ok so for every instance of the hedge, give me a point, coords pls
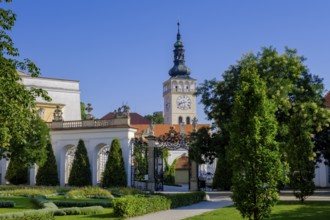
(79, 211)
(7, 204)
(81, 203)
(131, 206)
(29, 215)
(185, 199)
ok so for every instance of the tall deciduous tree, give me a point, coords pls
(47, 173)
(157, 118)
(114, 174)
(288, 84)
(254, 152)
(80, 174)
(17, 104)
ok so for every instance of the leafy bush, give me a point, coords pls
(47, 174)
(89, 191)
(42, 214)
(80, 174)
(184, 199)
(27, 191)
(43, 203)
(114, 174)
(131, 206)
(7, 204)
(60, 203)
(79, 211)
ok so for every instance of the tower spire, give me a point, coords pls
(179, 68)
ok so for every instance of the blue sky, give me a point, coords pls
(121, 50)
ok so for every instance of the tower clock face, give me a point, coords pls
(183, 102)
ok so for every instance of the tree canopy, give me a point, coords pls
(17, 104)
(289, 85)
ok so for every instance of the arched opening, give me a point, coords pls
(102, 158)
(180, 119)
(69, 157)
(188, 120)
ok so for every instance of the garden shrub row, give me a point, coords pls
(130, 206)
(89, 192)
(82, 203)
(7, 204)
(184, 199)
(78, 211)
(42, 214)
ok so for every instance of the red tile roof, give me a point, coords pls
(161, 129)
(135, 118)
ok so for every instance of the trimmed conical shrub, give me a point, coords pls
(80, 174)
(47, 174)
(114, 174)
(17, 172)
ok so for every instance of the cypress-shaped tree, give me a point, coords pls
(47, 174)
(114, 174)
(80, 174)
(17, 172)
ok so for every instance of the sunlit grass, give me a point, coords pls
(21, 204)
(310, 210)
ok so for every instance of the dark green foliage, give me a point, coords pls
(253, 151)
(185, 199)
(156, 118)
(47, 173)
(140, 159)
(80, 174)
(17, 172)
(169, 173)
(130, 206)
(7, 204)
(61, 203)
(114, 174)
(223, 174)
(202, 148)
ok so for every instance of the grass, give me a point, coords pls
(21, 204)
(310, 210)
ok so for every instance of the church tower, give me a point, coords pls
(179, 89)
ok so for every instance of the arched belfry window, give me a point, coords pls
(69, 157)
(188, 120)
(102, 157)
(180, 119)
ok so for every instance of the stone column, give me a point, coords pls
(151, 163)
(193, 176)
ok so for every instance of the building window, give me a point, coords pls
(102, 158)
(69, 157)
(180, 119)
(188, 120)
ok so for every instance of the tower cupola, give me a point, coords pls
(179, 68)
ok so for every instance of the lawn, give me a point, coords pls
(311, 210)
(21, 204)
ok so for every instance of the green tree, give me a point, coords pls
(288, 84)
(254, 152)
(114, 174)
(17, 172)
(80, 174)
(17, 104)
(157, 118)
(300, 148)
(83, 110)
(47, 173)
